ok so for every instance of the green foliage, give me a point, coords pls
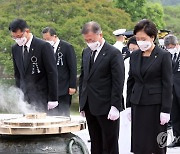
(155, 12)
(134, 8)
(141, 9)
(6, 64)
(172, 19)
(66, 16)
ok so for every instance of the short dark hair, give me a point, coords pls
(91, 26)
(132, 40)
(147, 26)
(49, 30)
(18, 24)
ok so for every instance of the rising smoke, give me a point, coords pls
(12, 101)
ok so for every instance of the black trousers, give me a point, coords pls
(104, 133)
(175, 114)
(63, 108)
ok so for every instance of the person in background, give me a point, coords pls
(34, 67)
(100, 89)
(132, 46)
(172, 45)
(161, 34)
(120, 38)
(149, 90)
(67, 70)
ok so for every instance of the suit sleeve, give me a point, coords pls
(71, 60)
(16, 71)
(166, 83)
(81, 77)
(130, 84)
(117, 71)
(51, 71)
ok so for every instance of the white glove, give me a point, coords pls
(128, 113)
(164, 118)
(82, 113)
(113, 113)
(52, 104)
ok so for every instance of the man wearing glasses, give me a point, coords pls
(34, 67)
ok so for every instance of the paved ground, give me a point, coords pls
(124, 142)
(85, 137)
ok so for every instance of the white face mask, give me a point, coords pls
(51, 42)
(21, 41)
(144, 45)
(173, 50)
(94, 45)
(161, 42)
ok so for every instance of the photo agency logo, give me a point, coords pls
(163, 137)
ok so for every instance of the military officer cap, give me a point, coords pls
(128, 34)
(119, 32)
(162, 33)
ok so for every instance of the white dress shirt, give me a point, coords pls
(99, 49)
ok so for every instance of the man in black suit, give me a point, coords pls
(172, 45)
(100, 89)
(67, 70)
(34, 67)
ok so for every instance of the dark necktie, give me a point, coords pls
(93, 53)
(174, 58)
(25, 56)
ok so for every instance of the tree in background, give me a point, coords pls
(172, 19)
(141, 9)
(154, 12)
(66, 16)
(134, 8)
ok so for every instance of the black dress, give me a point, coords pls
(146, 126)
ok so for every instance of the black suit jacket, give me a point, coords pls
(154, 86)
(102, 87)
(37, 87)
(67, 67)
(176, 76)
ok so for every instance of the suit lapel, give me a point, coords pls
(86, 61)
(98, 60)
(31, 51)
(151, 60)
(138, 64)
(59, 47)
(19, 59)
(177, 62)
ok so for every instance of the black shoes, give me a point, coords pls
(175, 143)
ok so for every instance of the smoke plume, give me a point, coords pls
(12, 101)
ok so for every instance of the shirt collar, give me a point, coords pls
(56, 44)
(178, 50)
(102, 44)
(28, 44)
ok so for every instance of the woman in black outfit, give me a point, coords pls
(149, 92)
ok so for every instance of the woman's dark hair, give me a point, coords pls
(132, 40)
(147, 26)
(18, 24)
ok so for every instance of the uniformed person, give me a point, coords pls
(120, 38)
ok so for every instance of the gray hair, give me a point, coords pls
(170, 39)
(91, 26)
